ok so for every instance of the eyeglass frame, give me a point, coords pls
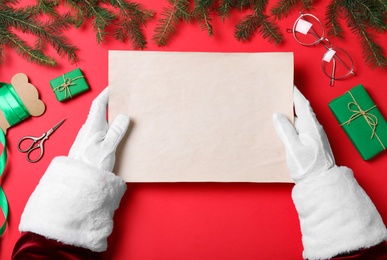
(322, 39)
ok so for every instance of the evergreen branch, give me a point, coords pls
(27, 52)
(204, 20)
(130, 30)
(259, 6)
(79, 16)
(132, 10)
(246, 28)
(182, 9)
(372, 14)
(101, 18)
(372, 52)
(243, 4)
(383, 4)
(202, 14)
(167, 24)
(331, 17)
(225, 8)
(132, 18)
(270, 30)
(307, 4)
(43, 6)
(2, 53)
(282, 8)
(46, 32)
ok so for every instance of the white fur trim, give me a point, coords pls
(336, 215)
(74, 203)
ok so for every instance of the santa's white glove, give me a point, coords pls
(96, 143)
(75, 199)
(336, 215)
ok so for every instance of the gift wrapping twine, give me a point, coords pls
(14, 111)
(371, 119)
(67, 83)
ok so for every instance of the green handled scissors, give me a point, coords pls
(37, 143)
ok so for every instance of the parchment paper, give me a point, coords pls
(201, 117)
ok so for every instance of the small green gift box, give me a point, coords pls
(362, 121)
(69, 85)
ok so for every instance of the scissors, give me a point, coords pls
(37, 143)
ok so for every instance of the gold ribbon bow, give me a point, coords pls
(65, 86)
(371, 119)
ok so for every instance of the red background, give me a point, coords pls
(194, 220)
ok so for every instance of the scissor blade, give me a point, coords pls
(49, 132)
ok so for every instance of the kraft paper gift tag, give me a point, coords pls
(201, 117)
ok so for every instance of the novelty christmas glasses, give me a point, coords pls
(336, 63)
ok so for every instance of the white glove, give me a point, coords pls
(75, 199)
(96, 143)
(336, 215)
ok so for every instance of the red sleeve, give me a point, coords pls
(378, 252)
(33, 246)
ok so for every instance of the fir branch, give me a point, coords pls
(282, 8)
(170, 17)
(243, 4)
(270, 31)
(248, 26)
(101, 18)
(131, 10)
(259, 5)
(331, 17)
(383, 4)
(372, 52)
(47, 32)
(130, 30)
(43, 6)
(204, 19)
(79, 16)
(372, 14)
(27, 52)
(225, 7)
(307, 4)
(202, 14)
(131, 20)
(2, 52)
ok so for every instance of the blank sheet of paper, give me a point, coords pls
(201, 117)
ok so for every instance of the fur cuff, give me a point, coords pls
(336, 215)
(74, 203)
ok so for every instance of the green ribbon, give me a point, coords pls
(13, 108)
(3, 198)
(14, 111)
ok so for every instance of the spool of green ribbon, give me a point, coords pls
(14, 112)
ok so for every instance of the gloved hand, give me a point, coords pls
(96, 143)
(336, 215)
(75, 199)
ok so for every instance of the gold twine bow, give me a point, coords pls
(65, 86)
(371, 119)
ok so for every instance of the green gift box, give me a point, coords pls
(69, 85)
(362, 121)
